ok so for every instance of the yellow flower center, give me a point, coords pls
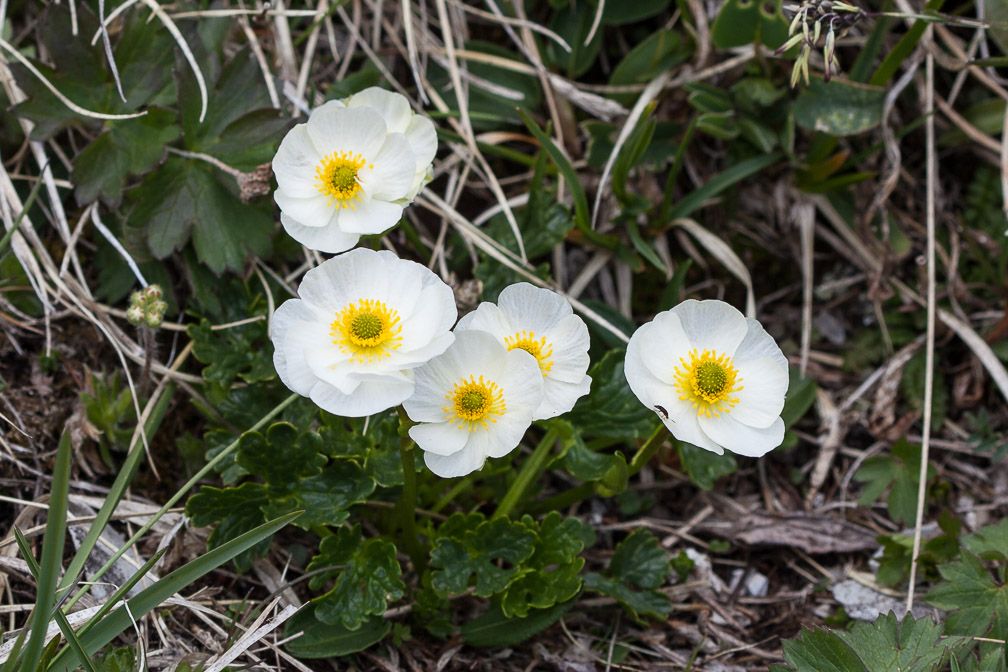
(337, 178)
(474, 403)
(708, 381)
(540, 349)
(367, 329)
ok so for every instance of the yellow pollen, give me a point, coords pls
(540, 349)
(367, 330)
(474, 403)
(337, 178)
(708, 381)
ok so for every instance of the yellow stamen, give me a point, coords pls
(540, 349)
(708, 381)
(367, 329)
(337, 178)
(474, 403)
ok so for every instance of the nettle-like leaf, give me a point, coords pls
(608, 471)
(485, 552)
(611, 410)
(373, 443)
(283, 456)
(550, 574)
(243, 352)
(990, 542)
(887, 645)
(978, 602)
(901, 471)
(237, 510)
(368, 577)
(638, 567)
(325, 498)
(704, 467)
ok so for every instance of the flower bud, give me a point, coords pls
(153, 320)
(153, 293)
(135, 315)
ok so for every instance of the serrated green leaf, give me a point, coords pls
(121, 659)
(473, 554)
(704, 467)
(889, 645)
(243, 352)
(821, 651)
(639, 561)
(236, 510)
(377, 449)
(494, 629)
(980, 605)
(325, 498)
(989, 542)
(610, 409)
(608, 471)
(283, 456)
(550, 575)
(323, 640)
(370, 579)
(901, 471)
(183, 199)
(128, 147)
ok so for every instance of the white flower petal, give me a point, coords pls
(687, 428)
(741, 438)
(312, 355)
(506, 434)
(761, 399)
(540, 309)
(490, 318)
(521, 380)
(570, 341)
(392, 173)
(662, 344)
(330, 239)
(560, 397)
(311, 211)
(712, 325)
(370, 218)
(393, 107)
(439, 438)
(339, 129)
(758, 344)
(369, 398)
(422, 138)
(457, 464)
(295, 162)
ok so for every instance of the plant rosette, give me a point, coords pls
(364, 321)
(543, 324)
(352, 168)
(473, 402)
(714, 377)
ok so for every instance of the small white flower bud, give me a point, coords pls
(153, 320)
(135, 315)
(153, 293)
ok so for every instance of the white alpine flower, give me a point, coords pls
(543, 324)
(715, 377)
(352, 168)
(473, 402)
(364, 321)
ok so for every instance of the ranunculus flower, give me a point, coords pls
(473, 402)
(352, 168)
(543, 324)
(364, 321)
(715, 377)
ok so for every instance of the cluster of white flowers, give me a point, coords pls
(371, 331)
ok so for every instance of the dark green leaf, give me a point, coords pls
(122, 659)
(657, 53)
(902, 472)
(494, 629)
(370, 580)
(639, 565)
(821, 651)
(990, 542)
(980, 604)
(283, 456)
(839, 107)
(322, 640)
(607, 470)
(704, 467)
(475, 553)
(325, 498)
(237, 510)
(611, 410)
(550, 575)
(617, 13)
(637, 602)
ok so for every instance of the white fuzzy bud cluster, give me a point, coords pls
(147, 307)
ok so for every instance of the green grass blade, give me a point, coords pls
(61, 620)
(119, 620)
(903, 48)
(115, 494)
(581, 215)
(24, 211)
(122, 590)
(52, 556)
(720, 182)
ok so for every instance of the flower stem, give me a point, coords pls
(574, 495)
(530, 471)
(406, 510)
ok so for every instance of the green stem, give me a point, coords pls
(177, 496)
(406, 511)
(564, 499)
(530, 472)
